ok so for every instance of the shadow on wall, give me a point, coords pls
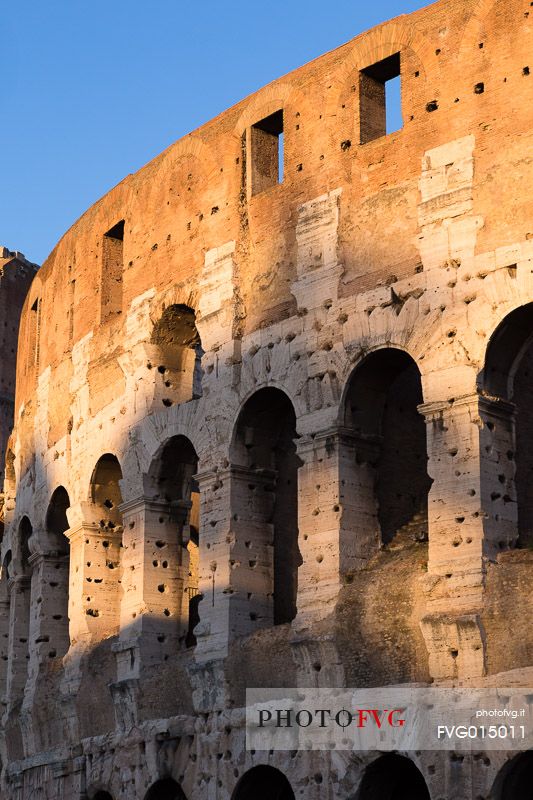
(264, 501)
(385, 494)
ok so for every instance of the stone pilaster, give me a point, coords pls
(337, 517)
(94, 578)
(252, 552)
(318, 267)
(4, 640)
(49, 635)
(48, 638)
(154, 605)
(471, 516)
(215, 582)
(319, 518)
(214, 631)
(19, 629)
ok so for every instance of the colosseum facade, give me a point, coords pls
(271, 430)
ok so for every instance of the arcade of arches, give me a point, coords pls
(136, 568)
(387, 777)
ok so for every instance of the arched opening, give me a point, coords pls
(263, 783)
(393, 777)
(56, 577)
(175, 553)
(264, 503)
(102, 796)
(515, 779)
(508, 377)
(56, 520)
(24, 535)
(165, 789)
(105, 490)
(384, 480)
(177, 356)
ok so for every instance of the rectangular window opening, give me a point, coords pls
(380, 101)
(116, 232)
(112, 268)
(267, 146)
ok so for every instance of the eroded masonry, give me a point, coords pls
(16, 274)
(273, 428)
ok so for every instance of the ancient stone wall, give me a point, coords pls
(275, 431)
(16, 274)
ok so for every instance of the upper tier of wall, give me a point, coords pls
(464, 70)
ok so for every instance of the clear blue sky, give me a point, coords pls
(92, 90)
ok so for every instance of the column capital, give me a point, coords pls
(438, 408)
(18, 582)
(496, 406)
(178, 510)
(85, 515)
(332, 431)
(94, 530)
(211, 475)
(50, 555)
(364, 443)
(258, 472)
(233, 470)
(137, 504)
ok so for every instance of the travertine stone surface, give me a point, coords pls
(274, 433)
